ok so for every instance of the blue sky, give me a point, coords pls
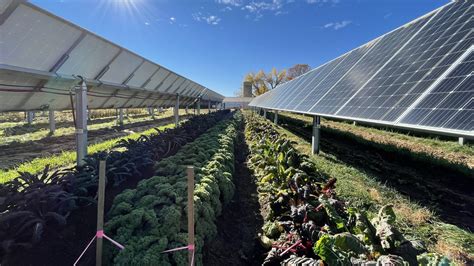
(216, 42)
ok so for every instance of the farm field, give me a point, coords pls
(440, 186)
(15, 155)
(250, 176)
(423, 209)
(133, 161)
(236, 132)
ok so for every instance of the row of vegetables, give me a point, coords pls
(33, 203)
(153, 217)
(308, 224)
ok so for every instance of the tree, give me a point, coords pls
(297, 70)
(263, 82)
(238, 92)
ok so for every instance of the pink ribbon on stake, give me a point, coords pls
(188, 247)
(99, 234)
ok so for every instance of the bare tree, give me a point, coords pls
(297, 70)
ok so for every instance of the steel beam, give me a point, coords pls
(120, 116)
(52, 122)
(209, 107)
(275, 118)
(199, 106)
(176, 111)
(461, 141)
(265, 113)
(316, 135)
(81, 122)
(30, 115)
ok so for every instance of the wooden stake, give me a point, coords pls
(100, 212)
(190, 172)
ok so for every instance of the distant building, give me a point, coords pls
(247, 89)
(237, 102)
(240, 102)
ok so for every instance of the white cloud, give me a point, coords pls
(337, 24)
(322, 1)
(147, 23)
(172, 20)
(258, 8)
(230, 2)
(209, 19)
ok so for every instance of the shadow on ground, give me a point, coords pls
(444, 188)
(236, 242)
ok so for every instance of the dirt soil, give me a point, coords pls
(236, 242)
(445, 190)
(16, 153)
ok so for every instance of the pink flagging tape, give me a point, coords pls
(188, 247)
(114, 242)
(292, 246)
(98, 234)
(84, 251)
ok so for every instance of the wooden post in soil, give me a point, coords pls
(100, 212)
(190, 172)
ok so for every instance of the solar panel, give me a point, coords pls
(370, 64)
(450, 104)
(417, 76)
(413, 69)
(42, 56)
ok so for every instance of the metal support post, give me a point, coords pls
(316, 135)
(208, 107)
(275, 118)
(81, 122)
(186, 110)
(52, 122)
(461, 141)
(151, 110)
(265, 113)
(199, 106)
(120, 117)
(176, 111)
(30, 115)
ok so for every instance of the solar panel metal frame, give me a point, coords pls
(127, 78)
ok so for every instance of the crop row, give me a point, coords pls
(152, 217)
(308, 223)
(32, 202)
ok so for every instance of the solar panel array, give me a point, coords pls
(42, 55)
(417, 76)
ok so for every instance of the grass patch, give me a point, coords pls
(68, 158)
(424, 147)
(21, 132)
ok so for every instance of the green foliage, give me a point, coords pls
(432, 259)
(152, 217)
(306, 204)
